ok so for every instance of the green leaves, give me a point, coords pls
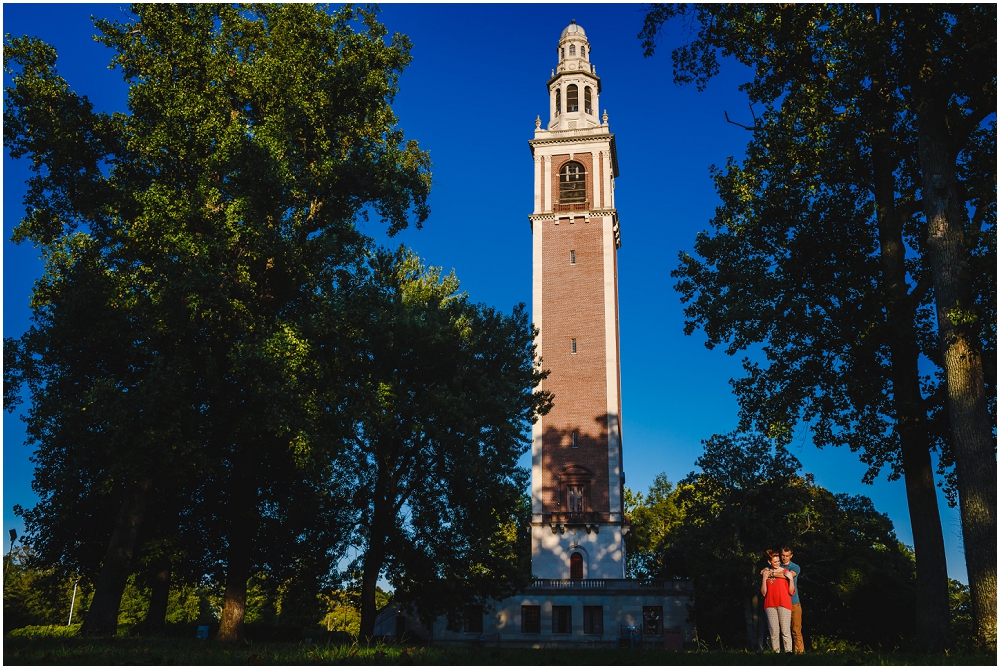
(440, 411)
(197, 247)
(749, 496)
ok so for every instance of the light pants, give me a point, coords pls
(779, 618)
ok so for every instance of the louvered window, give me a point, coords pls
(572, 183)
(572, 98)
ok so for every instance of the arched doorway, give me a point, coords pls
(576, 566)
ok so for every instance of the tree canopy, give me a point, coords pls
(202, 356)
(829, 250)
(442, 402)
(750, 496)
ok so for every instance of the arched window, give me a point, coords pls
(572, 98)
(587, 105)
(576, 566)
(583, 52)
(562, 53)
(572, 49)
(572, 183)
(558, 102)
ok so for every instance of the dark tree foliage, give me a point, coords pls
(444, 397)
(190, 246)
(857, 581)
(834, 250)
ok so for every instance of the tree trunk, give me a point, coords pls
(375, 555)
(932, 611)
(238, 567)
(159, 583)
(102, 618)
(756, 621)
(971, 428)
(243, 521)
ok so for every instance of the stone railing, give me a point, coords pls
(610, 584)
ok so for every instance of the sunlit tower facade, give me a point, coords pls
(577, 477)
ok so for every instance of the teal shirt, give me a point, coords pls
(791, 566)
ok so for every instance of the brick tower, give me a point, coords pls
(580, 595)
(577, 477)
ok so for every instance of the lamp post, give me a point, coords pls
(73, 601)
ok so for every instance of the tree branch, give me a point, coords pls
(756, 125)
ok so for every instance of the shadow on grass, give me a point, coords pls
(146, 651)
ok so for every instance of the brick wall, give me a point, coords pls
(573, 307)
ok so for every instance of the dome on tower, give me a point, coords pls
(573, 29)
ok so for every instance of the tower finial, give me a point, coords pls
(573, 21)
(605, 117)
(538, 121)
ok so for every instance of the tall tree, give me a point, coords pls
(820, 251)
(948, 75)
(221, 208)
(444, 399)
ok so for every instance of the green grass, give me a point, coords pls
(47, 650)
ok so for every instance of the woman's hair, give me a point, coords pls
(771, 554)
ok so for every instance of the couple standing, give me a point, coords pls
(778, 583)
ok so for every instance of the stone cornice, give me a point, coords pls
(591, 213)
(552, 215)
(580, 136)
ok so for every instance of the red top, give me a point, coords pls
(777, 594)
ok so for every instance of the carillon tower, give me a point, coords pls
(577, 477)
(580, 595)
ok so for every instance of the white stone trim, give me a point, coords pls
(611, 351)
(547, 184)
(538, 182)
(603, 550)
(536, 306)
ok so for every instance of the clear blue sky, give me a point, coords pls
(470, 97)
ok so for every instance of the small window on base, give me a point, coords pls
(593, 620)
(572, 257)
(562, 619)
(473, 619)
(531, 620)
(572, 345)
(652, 620)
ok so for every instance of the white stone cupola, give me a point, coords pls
(574, 86)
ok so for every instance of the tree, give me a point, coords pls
(444, 397)
(749, 496)
(820, 251)
(217, 218)
(652, 517)
(948, 75)
(41, 595)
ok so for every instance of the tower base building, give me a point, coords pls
(580, 594)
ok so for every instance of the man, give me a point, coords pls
(786, 561)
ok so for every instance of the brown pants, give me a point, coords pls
(797, 644)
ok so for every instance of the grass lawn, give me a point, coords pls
(49, 650)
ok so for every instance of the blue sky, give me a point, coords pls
(470, 98)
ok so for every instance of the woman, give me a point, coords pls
(777, 586)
